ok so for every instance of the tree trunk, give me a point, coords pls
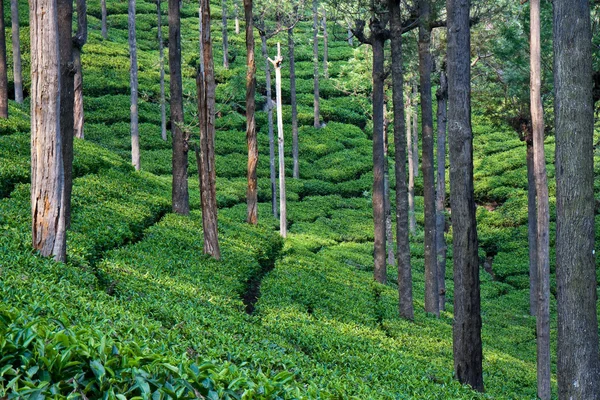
(415, 132)
(578, 362)
(3, 69)
(532, 229)
(47, 167)
(317, 112)
(411, 170)
(295, 150)
(135, 135)
(350, 37)
(104, 28)
(440, 223)
(180, 192)
(431, 271)
(251, 192)
(161, 58)
(272, 170)
(389, 234)
(78, 42)
(206, 155)
(467, 319)
(16, 47)
(282, 198)
(403, 248)
(325, 46)
(237, 17)
(224, 30)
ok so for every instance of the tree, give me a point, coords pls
(440, 202)
(578, 361)
(180, 194)
(467, 319)
(16, 47)
(224, 33)
(79, 40)
(47, 167)
(161, 60)
(317, 112)
(236, 16)
(3, 69)
(135, 134)
(251, 192)
(411, 165)
(325, 45)
(103, 12)
(205, 156)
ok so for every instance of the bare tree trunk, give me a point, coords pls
(3, 66)
(317, 112)
(180, 197)
(206, 155)
(272, 171)
(79, 41)
(389, 234)
(224, 30)
(467, 318)
(403, 249)
(16, 47)
(293, 102)
(350, 37)
(440, 222)
(47, 167)
(161, 57)
(425, 65)
(282, 198)
(532, 229)
(135, 135)
(325, 45)
(415, 132)
(578, 361)
(411, 169)
(104, 28)
(237, 17)
(251, 192)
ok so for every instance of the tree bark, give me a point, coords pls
(104, 26)
(282, 198)
(325, 46)
(406, 309)
(431, 270)
(389, 234)
(16, 47)
(293, 102)
(272, 171)
(79, 41)
(578, 362)
(317, 112)
(180, 138)
(135, 135)
(467, 319)
(237, 17)
(3, 66)
(47, 167)
(415, 132)
(224, 32)
(411, 169)
(440, 205)
(161, 58)
(206, 154)
(532, 229)
(251, 192)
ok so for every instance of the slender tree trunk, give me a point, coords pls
(317, 112)
(295, 150)
(237, 17)
(282, 198)
(440, 222)
(161, 57)
(411, 170)
(180, 138)
(3, 66)
(403, 249)
(206, 155)
(78, 42)
(272, 170)
(251, 192)
(431, 271)
(389, 234)
(578, 362)
(135, 136)
(467, 318)
(47, 168)
(415, 132)
(325, 46)
(532, 229)
(104, 26)
(224, 30)
(16, 47)
(350, 37)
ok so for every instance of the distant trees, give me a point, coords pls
(133, 71)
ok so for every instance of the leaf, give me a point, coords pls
(97, 369)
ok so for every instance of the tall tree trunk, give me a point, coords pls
(431, 270)
(206, 155)
(415, 131)
(135, 135)
(224, 31)
(79, 41)
(180, 191)
(378, 156)
(403, 248)
(161, 58)
(578, 362)
(16, 47)
(440, 204)
(325, 46)
(282, 198)
(467, 318)
(237, 16)
(272, 171)
(47, 167)
(251, 192)
(317, 112)
(411, 169)
(3, 66)
(543, 208)
(532, 228)
(104, 26)
(389, 234)
(293, 102)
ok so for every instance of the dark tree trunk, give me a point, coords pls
(431, 273)
(180, 192)
(251, 192)
(403, 249)
(79, 41)
(104, 28)
(296, 170)
(317, 112)
(578, 362)
(206, 154)
(224, 32)
(532, 229)
(16, 47)
(440, 205)
(135, 134)
(272, 171)
(161, 58)
(325, 46)
(3, 66)
(467, 319)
